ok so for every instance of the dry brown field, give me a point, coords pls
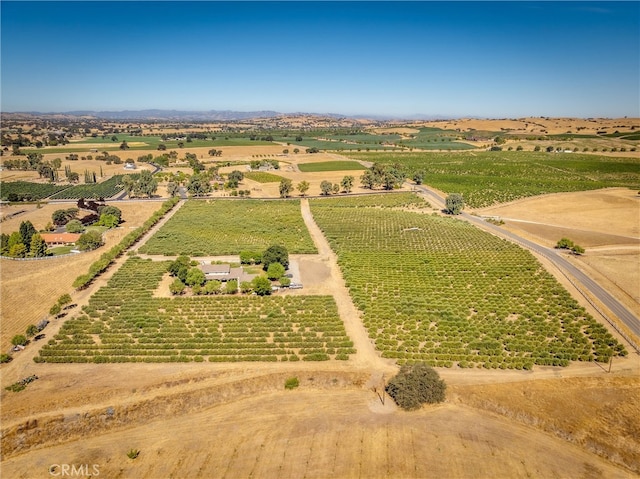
(29, 288)
(538, 125)
(212, 421)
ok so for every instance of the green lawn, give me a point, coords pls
(263, 177)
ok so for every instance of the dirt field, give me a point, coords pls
(551, 126)
(29, 288)
(604, 222)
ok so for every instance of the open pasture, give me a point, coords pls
(123, 322)
(439, 290)
(221, 227)
(488, 178)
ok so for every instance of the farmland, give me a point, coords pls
(220, 227)
(487, 178)
(330, 166)
(124, 323)
(262, 177)
(106, 189)
(460, 296)
(28, 191)
(179, 377)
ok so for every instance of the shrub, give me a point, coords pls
(133, 453)
(5, 358)
(291, 383)
(415, 385)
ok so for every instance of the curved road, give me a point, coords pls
(611, 303)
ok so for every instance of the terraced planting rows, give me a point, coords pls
(220, 227)
(439, 290)
(106, 189)
(123, 322)
(487, 178)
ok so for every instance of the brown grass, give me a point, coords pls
(606, 421)
(29, 288)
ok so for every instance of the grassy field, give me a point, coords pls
(487, 178)
(219, 227)
(439, 290)
(123, 322)
(330, 166)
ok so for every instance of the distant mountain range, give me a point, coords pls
(211, 115)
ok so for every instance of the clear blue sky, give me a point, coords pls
(488, 59)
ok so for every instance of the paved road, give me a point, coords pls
(611, 303)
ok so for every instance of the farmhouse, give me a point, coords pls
(224, 272)
(53, 239)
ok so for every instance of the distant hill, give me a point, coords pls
(207, 115)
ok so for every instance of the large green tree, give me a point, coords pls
(416, 385)
(347, 183)
(89, 240)
(326, 187)
(303, 187)
(275, 271)
(275, 254)
(38, 247)
(27, 230)
(286, 187)
(454, 203)
(261, 286)
(198, 185)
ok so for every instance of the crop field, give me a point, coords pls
(28, 190)
(439, 290)
(330, 166)
(123, 322)
(436, 139)
(106, 189)
(144, 143)
(262, 177)
(488, 178)
(220, 227)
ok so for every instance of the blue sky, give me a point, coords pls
(487, 59)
